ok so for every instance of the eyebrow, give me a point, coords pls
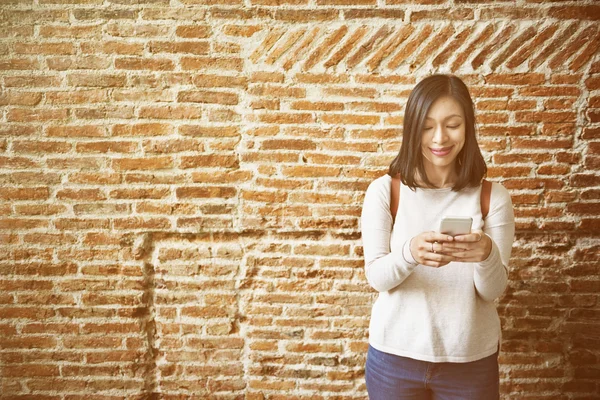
(449, 116)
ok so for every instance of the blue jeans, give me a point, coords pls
(391, 377)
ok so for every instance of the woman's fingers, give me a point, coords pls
(464, 250)
(462, 254)
(474, 251)
(443, 258)
(438, 237)
(428, 248)
(435, 249)
(474, 236)
(453, 248)
(437, 259)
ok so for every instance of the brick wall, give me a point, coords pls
(181, 184)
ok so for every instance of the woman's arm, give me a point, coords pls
(491, 274)
(384, 268)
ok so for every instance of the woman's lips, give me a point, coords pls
(444, 151)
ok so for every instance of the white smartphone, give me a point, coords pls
(453, 226)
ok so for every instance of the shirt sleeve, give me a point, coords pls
(385, 268)
(491, 275)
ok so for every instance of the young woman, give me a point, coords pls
(434, 330)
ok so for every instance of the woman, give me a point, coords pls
(434, 329)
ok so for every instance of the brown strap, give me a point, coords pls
(395, 196)
(486, 193)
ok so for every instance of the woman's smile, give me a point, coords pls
(442, 151)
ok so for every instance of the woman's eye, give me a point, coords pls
(453, 127)
(427, 128)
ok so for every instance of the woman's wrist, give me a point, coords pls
(488, 247)
(407, 254)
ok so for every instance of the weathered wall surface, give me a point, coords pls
(181, 185)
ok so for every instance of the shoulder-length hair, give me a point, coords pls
(470, 165)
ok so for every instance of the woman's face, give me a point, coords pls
(443, 135)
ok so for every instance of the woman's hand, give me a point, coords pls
(429, 248)
(474, 247)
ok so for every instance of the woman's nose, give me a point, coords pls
(439, 134)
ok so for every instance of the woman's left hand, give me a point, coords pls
(473, 247)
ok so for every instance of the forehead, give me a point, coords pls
(445, 107)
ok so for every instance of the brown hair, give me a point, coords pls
(470, 165)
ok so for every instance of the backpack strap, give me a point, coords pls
(486, 193)
(395, 196)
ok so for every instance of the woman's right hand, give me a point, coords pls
(427, 248)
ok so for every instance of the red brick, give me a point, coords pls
(585, 180)
(525, 199)
(543, 143)
(572, 46)
(509, 12)
(559, 196)
(567, 157)
(538, 212)
(498, 41)
(593, 116)
(482, 37)
(515, 79)
(96, 167)
(494, 172)
(550, 91)
(560, 129)
(593, 82)
(592, 163)
(559, 104)
(585, 285)
(584, 208)
(589, 224)
(510, 158)
(554, 169)
(587, 12)
(543, 116)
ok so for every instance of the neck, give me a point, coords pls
(441, 177)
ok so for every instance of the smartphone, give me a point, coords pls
(453, 226)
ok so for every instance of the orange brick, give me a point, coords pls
(205, 192)
(15, 371)
(40, 193)
(28, 342)
(147, 163)
(80, 194)
(209, 160)
(76, 131)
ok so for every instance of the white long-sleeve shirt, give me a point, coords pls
(444, 314)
